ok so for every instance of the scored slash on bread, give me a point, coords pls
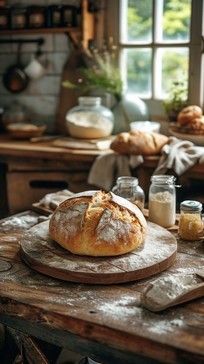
(138, 142)
(97, 223)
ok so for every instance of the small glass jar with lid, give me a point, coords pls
(54, 16)
(190, 221)
(4, 17)
(162, 200)
(36, 16)
(18, 19)
(89, 120)
(128, 187)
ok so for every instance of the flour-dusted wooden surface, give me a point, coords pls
(109, 318)
(46, 256)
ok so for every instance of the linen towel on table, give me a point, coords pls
(108, 167)
(179, 155)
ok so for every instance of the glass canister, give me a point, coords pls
(54, 16)
(36, 16)
(4, 17)
(69, 16)
(162, 200)
(128, 187)
(190, 221)
(18, 19)
(89, 120)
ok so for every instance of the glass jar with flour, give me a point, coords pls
(89, 120)
(162, 200)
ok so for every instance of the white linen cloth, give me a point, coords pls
(109, 166)
(179, 155)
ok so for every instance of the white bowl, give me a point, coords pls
(196, 139)
(148, 126)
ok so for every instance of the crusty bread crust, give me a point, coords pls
(138, 142)
(96, 223)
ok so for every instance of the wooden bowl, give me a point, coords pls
(25, 131)
(197, 139)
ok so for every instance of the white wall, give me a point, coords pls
(41, 96)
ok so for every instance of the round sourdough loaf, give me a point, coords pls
(97, 223)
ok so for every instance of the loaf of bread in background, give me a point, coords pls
(189, 114)
(96, 223)
(138, 142)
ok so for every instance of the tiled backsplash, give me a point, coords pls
(41, 95)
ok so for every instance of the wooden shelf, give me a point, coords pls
(40, 30)
(80, 36)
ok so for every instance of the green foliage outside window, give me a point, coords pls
(175, 27)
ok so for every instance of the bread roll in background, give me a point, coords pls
(138, 142)
(97, 223)
(189, 114)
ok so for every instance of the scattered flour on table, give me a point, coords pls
(122, 308)
(166, 289)
(20, 222)
(164, 325)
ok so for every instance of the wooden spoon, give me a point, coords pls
(179, 289)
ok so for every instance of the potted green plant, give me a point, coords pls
(176, 100)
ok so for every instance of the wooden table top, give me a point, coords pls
(110, 316)
(27, 149)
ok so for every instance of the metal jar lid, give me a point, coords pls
(190, 205)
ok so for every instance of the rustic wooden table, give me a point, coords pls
(104, 322)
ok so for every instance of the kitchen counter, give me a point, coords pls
(45, 150)
(104, 322)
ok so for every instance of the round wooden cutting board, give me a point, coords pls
(46, 256)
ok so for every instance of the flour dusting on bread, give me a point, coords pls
(71, 221)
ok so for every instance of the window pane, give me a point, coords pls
(171, 66)
(176, 20)
(139, 21)
(138, 65)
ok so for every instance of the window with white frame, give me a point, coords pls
(160, 42)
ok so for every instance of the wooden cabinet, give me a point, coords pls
(28, 171)
(28, 183)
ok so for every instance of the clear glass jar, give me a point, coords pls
(190, 221)
(36, 16)
(18, 17)
(4, 17)
(129, 188)
(89, 120)
(162, 200)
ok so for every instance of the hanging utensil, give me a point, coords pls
(15, 79)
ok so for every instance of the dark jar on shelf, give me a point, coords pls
(78, 16)
(18, 18)
(36, 16)
(69, 16)
(4, 18)
(54, 16)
